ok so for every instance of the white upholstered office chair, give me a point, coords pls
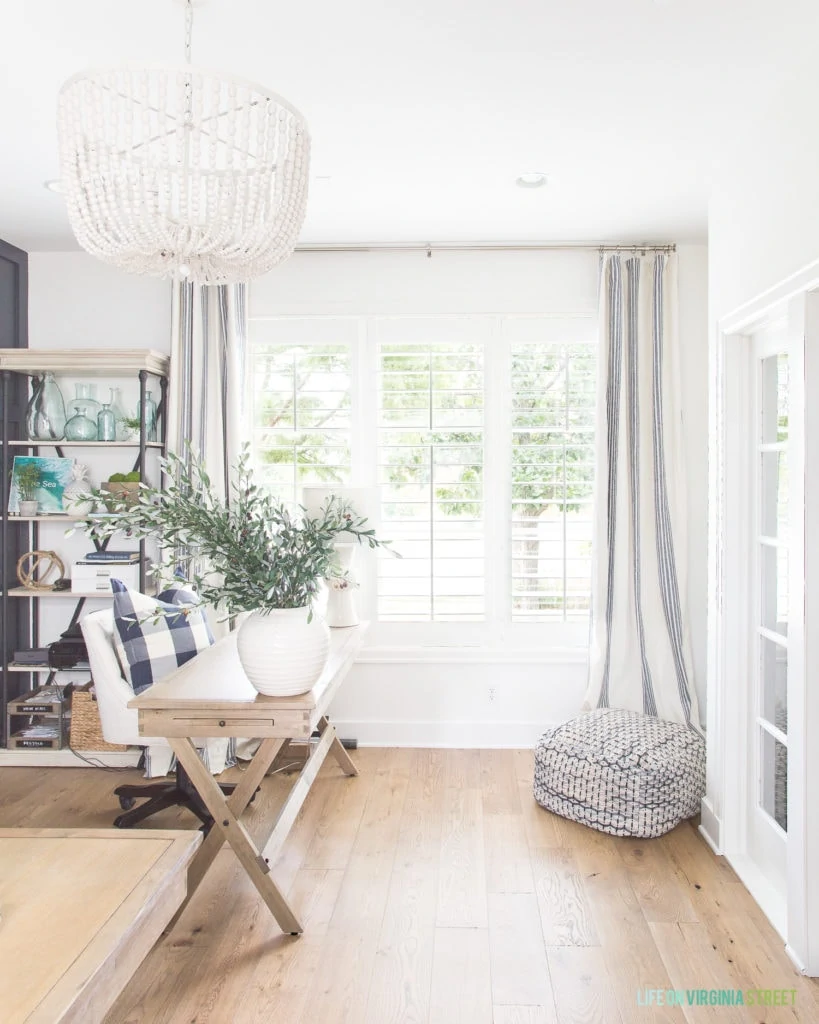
(120, 724)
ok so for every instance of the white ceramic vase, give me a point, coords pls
(341, 603)
(341, 609)
(281, 652)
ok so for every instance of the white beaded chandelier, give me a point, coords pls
(178, 171)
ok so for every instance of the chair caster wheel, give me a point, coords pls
(119, 823)
(127, 802)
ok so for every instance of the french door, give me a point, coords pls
(761, 809)
(770, 604)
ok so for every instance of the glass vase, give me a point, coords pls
(80, 427)
(118, 409)
(90, 406)
(45, 414)
(106, 424)
(150, 416)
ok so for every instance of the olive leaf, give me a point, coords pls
(252, 553)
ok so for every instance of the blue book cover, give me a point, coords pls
(112, 556)
(55, 475)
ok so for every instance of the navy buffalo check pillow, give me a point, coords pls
(152, 636)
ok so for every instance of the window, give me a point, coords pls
(553, 409)
(474, 436)
(430, 434)
(301, 416)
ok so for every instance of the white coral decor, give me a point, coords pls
(77, 497)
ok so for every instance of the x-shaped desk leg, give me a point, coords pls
(226, 825)
(345, 762)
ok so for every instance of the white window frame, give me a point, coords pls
(497, 632)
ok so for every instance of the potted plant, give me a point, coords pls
(121, 487)
(251, 554)
(28, 480)
(128, 428)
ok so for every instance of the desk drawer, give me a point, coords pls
(215, 723)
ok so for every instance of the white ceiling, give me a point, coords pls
(423, 113)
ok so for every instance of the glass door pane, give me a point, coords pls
(774, 395)
(774, 778)
(772, 585)
(773, 566)
(774, 494)
(774, 683)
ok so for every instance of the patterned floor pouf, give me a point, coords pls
(621, 772)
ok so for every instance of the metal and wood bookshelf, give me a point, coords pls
(144, 364)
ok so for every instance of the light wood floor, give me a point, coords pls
(433, 889)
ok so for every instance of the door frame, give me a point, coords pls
(724, 820)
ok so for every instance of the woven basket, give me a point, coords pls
(86, 728)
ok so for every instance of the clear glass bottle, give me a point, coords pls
(80, 427)
(118, 409)
(106, 424)
(45, 414)
(150, 416)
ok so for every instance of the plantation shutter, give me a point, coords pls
(430, 425)
(553, 373)
(301, 375)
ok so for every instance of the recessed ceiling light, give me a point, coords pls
(54, 185)
(531, 179)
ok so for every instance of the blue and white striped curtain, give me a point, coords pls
(640, 653)
(207, 375)
(205, 396)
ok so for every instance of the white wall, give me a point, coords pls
(468, 698)
(75, 301)
(763, 222)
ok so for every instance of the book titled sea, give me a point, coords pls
(54, 476)
(112, 556)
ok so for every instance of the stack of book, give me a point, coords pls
(94, 572)
(123, 557)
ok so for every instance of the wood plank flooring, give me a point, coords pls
(434, 890)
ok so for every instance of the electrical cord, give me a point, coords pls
(98, 764)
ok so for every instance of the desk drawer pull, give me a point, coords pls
(222, 722)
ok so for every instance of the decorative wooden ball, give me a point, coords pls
(35, 567)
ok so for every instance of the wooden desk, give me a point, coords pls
(80, 910)
(212, 696)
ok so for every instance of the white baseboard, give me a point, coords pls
(461, 735)
(710, 826)
(68, 759)
(770, 901)
(795, 960)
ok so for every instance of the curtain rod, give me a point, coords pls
(431, 247)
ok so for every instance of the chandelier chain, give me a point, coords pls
(188, 29)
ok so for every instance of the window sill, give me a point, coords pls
(472, 655)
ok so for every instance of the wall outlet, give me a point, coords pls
(491, 694)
